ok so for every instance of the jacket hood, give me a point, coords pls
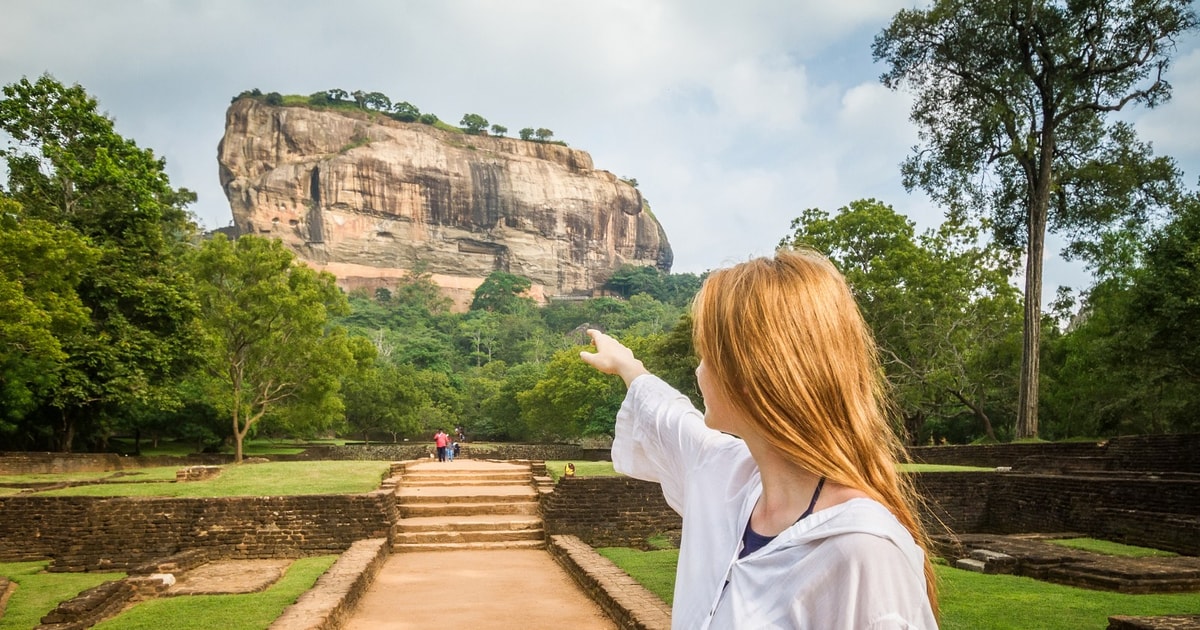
(856, 516)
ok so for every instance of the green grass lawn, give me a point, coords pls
(999, 602)
(969, 601)
(38, 593)
(252, 611)
(582, 469)
(653, 569)
(1111, 548)
(268, 479)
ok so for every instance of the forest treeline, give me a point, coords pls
(117, 317)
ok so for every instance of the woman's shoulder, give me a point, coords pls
(856, 523)
(863, 531)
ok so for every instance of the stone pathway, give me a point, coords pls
(486, 588)
(468, 552)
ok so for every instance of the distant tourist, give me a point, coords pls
(569, 470)
(794, 515)
(440, 440)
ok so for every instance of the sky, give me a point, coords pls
(734, 117)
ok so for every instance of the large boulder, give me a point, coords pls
(370, 199)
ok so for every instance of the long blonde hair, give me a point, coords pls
(789, 348)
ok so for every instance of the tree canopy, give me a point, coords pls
(1012, 101)
(268, 344)
(69, 170)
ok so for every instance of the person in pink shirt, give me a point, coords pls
(440, 440)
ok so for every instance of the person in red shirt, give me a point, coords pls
(440, 440)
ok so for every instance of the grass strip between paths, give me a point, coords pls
(39, 593)
(251, 611)
(1111, 548)
(267, 479)
(654, 570)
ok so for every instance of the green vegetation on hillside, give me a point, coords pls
(377, 103)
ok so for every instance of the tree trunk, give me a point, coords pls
(912, 427)
(67, 434)
(237, 437)
(1027, 404)
(980, 415)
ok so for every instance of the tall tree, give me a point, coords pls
(68, 167)
(1012, 99)
(266, 320)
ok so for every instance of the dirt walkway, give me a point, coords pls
(503, 588)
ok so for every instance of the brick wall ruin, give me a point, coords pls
(608, 511)
(1164, 514)
(87, 533)
(1135, 453)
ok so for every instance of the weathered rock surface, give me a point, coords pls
(368, 198)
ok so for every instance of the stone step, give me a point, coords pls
(514, 544)
(1084, 578)
(482, 522)
(438, 537)
(467, 471)
(994, 562)
(459, 483)
(406, 495)
(417, 510)
(468, 476)
(970, 564)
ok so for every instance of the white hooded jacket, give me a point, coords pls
(849, 566)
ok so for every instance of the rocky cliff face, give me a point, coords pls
(370, 199)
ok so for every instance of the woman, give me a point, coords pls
(793, 513)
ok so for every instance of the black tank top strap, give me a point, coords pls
(812, 504)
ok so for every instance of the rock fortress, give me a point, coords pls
(370, 199)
